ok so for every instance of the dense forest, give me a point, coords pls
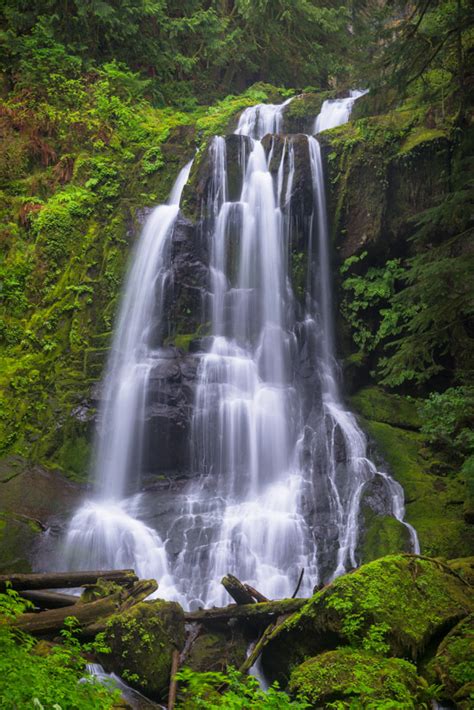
(102, 102)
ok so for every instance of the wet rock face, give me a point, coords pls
(31, 498)
(168, 413)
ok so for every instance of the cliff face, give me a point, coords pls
(66, 259)
(382, 172)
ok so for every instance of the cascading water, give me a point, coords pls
(106, 532)
(279, 473)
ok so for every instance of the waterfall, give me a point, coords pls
(106, 531)
(279, 465)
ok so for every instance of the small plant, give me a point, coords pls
(230, 691)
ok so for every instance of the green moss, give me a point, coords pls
(74, 457)
(454, 663)
(420, 135)
(355, 679)
(393, 606)
(102, 588)
(216, 650)
(299, 274)
(18, 535)
(433, 503)
(382, 535)
(375, 404)
(142, 641)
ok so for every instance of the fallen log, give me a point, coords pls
(255, 611)
(49, 600)
(51, 622)
(55, 580)
(258, 596)
(237, 590)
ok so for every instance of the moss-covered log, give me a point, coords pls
(50, 622)
(261, 611)
(60, 580)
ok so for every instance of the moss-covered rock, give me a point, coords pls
(434, 493)
(396, 606)
(142, 641)
(217, 649)
(381, 535)
(300, 114)
(35, 491)
(356, 679)
(376, 404)
(434, 504)
(464, 566)
(454, 664)
(18, 537)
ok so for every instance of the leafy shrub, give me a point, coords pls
(230, 691)
(56, 679)
(448, 419)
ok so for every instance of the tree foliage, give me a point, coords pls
(186, 47)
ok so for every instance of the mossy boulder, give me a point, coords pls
(433, 502)
(356, 679)
(142, 641)
(434, 492)
(396, 605)
(300, 114)
(374, 403)
(464, 566)
(381, 535)
(217, 649)
(454, 664)
(18, 537)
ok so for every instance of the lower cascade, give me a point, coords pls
(278, 466)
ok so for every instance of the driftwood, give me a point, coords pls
(49, 600)
(58, 580)
(50, 622)
(237, 590)
(173, 682)
(260, 611)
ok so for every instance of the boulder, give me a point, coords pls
(356, 679)
(454, 664)
(394, 606)
(216, 649)
(142, 640)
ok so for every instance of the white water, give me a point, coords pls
(106, 532)
(277, 488)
